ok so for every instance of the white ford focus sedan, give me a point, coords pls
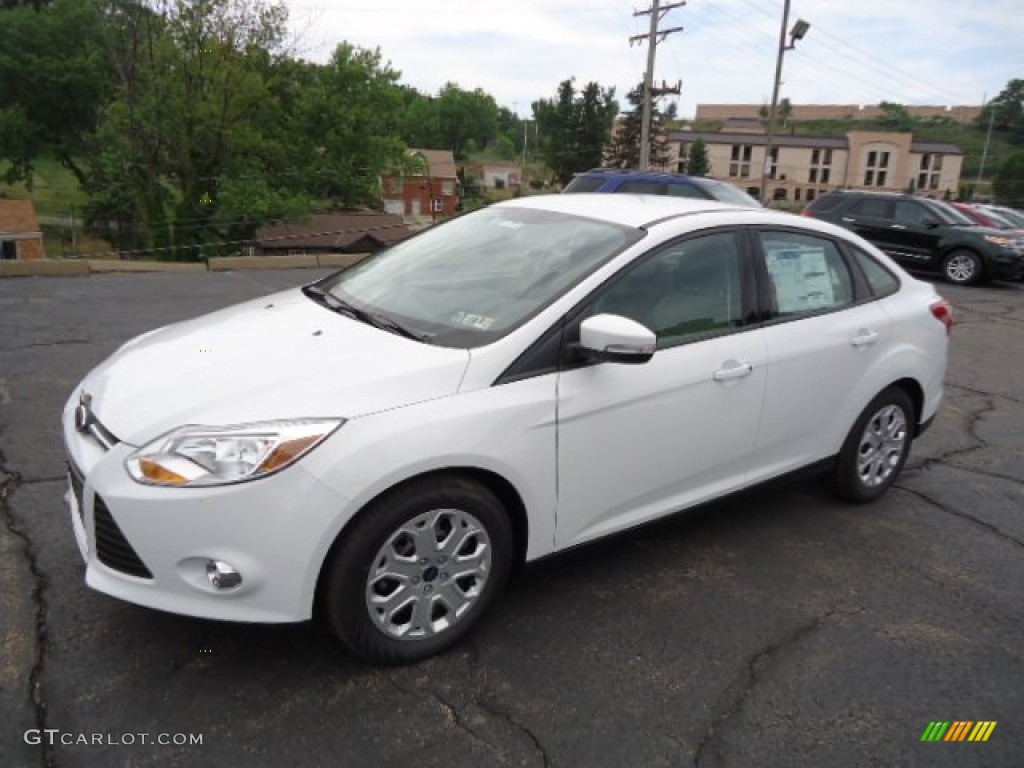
(380, 447)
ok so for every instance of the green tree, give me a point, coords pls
(465, 116)
(895, 117)
(697, 161)
(187, 123)
(1006, 111)
(55, 80)
(624, 148)
(349, 115)
(573, 128)
(1009, 182)
(419, 120)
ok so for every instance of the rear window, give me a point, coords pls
(585, 184)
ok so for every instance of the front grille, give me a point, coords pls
(78, 488)
(112, 548)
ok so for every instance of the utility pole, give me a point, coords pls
(653, 37)
(797, 33)
(984, 152)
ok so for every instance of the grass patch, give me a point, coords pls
(55, 190)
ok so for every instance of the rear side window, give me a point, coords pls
(807, 274)
(881, 281)
(826, 203)
(875, 207)
(642, 187)
(585, 184)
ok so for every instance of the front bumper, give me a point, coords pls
(150, 545)
(1006, 265)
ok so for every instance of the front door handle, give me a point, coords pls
(732, 369)
(864, 338)
(848, 220)
(897, 226)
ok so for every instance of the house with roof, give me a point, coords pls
(20, 234)
(426, 187)
(351, 232)
(801, 168)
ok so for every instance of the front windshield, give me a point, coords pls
(473, 279)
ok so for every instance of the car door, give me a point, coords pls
(915, 232)
(870, 217)
(638, 441)
(820, 340)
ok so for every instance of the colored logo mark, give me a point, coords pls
(958, 730)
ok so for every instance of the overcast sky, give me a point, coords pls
(857, 51)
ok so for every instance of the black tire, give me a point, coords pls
(876, 447)
(381, 557)
(962, 266)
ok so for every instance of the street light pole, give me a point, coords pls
(797, 33)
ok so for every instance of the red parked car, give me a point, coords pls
(985, 217)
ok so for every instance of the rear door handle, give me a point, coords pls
(848, 220)
(864, 338)
(732, 369)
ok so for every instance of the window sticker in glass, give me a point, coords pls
(801, 277)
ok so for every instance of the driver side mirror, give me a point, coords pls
(617, 339)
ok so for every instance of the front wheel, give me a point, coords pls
(876, 448)
(962, 267)
(417, 570)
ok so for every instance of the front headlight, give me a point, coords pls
(1005, 242)
(199, 455)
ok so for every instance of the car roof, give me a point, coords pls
(633, 173)
(644, 211)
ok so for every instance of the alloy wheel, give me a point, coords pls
(428, 574)
(882, 445)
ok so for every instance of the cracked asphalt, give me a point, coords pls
(776, 628)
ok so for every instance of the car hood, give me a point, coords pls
(279, 357)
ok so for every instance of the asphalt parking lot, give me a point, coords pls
(777, 628)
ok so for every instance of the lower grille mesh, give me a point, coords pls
(112, 548)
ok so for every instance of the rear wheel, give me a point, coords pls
(417, 570)
(962, 267)
(876, 448)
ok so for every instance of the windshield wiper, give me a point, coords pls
(335, 304)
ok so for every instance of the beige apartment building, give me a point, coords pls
(803, 167)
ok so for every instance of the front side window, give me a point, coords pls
(806, 274)
(684, 292)
(912, 213)
(473, 279)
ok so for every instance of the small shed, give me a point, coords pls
(20, 235)
(356, 232)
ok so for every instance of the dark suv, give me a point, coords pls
(655, 183)
(925, 234)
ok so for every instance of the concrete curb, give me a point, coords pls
(79, 267)
(43, 268)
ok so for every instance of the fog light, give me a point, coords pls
(222, 575)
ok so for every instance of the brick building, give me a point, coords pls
(20, 235)
(803, 167)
